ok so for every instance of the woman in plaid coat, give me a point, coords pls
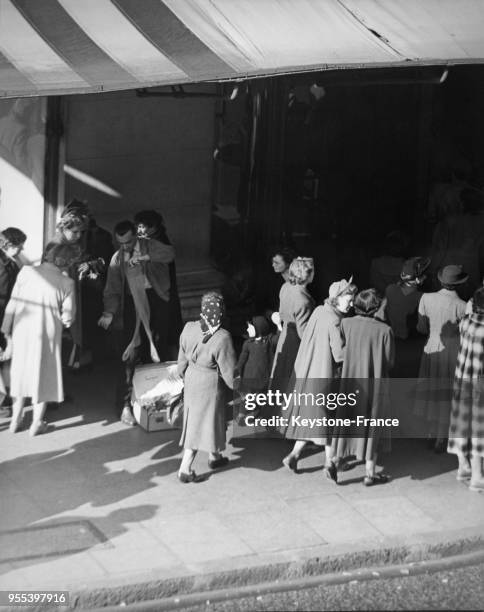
(466, 433)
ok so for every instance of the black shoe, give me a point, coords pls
(331, 472)
(183, 477)
(370, 481)
(218, 463)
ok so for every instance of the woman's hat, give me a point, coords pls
(414, 268)
(452, 275)
(337, 288)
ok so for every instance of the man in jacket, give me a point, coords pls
(136, 299)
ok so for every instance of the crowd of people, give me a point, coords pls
(327, 348)
(296, 348)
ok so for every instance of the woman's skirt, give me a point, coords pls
(284, 366)
(466, 431)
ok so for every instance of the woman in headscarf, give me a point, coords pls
(439, 315)
(42, 303)
(207, 361)
(88, 275)
(295, 308)
(368, 358)
(317, 366)
(466, 432)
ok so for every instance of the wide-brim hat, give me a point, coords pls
(414, 268)
(452, 275)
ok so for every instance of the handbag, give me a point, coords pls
(175, 411)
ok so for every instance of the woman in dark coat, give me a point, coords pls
(151, 224)
(207, 361)
(466, 432)
(12, 242)
(368, 358)
(296, 306)
(317, 366)
(87, 273)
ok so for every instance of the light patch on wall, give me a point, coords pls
(91, 181)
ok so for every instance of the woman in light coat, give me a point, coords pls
(207, 361)
(439, 315)
(41, 304)
(317, 366)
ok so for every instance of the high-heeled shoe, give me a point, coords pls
(184, 477)
(38, 427)
(463, 474)
(220, 462)
(290, 462)
(376, 479)
(331, 472)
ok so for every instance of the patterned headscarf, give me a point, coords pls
(211, 314)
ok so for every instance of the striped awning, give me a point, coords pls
(52, 47)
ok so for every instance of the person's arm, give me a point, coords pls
(423, 325)
(4, 282)
(337, 342)
(302, 315)
(157, 252)
(182, 364)
(68, 308)
(112, 292)
(244, 355)
(389, 347)
(226, 361)
(9, 314)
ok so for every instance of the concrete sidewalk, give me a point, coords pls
(94, 504)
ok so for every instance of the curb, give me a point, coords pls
(375, 573)
(192, 589)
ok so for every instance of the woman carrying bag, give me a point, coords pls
(206, 360)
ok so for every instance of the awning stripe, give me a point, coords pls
(51, 47)
(70, 41)
(213, 29)
(420, 32)
(155, 20)
(17, 82)
(31, 54)
(121, 40)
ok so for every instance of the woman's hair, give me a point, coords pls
(12, 236)
(300, 270)
(287, 254)
(368, 302)
(478, 301)
(61, 255)
(448, 286)
(71, 220)
(150, 218)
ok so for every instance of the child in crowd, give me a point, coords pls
(254, 366)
